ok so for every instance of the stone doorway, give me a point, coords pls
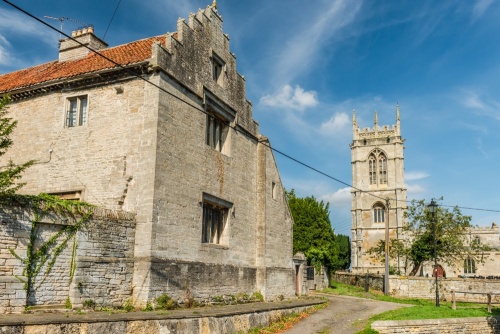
(439, 271)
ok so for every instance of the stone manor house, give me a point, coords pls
(167, 134)
(379, 199)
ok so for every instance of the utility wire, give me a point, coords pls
(112, 17)
(205, 112)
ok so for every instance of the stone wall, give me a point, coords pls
(218, 320)
(424, 287)
(483, 325)
(144, 150)
(102, 251)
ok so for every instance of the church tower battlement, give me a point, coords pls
(379, 192)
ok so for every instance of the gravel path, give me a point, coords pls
(344, 315)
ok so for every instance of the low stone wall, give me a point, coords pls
(96, 264)
(232, 319)
(483, 325)
(424, 287)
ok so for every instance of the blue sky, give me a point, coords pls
(308, 64)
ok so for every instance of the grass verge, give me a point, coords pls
(422, 309)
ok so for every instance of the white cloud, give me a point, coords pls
(412, 176)
(480, 8)
(302, 49)
(17, 24)
(337, 123)
(482, 105)
(414, 189)
(341, 197)
(472, 100)
(5, 58)
(293, 98)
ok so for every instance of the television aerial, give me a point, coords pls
(62, 19)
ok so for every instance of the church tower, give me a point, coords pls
(378, 193)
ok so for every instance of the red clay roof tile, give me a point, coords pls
(126, 54)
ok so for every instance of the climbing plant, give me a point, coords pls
(43, 255)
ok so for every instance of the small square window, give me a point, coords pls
(76, 113)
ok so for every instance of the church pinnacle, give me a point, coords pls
(214, 4)
(397, 115)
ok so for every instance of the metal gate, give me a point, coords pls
(311, 283)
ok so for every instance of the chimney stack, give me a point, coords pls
(71, 50)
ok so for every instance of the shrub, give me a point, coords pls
(164, 302)
(258, 296)
(89, 303)
(128, 307)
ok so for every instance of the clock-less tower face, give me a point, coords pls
(378, 193)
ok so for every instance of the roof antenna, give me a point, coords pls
(62, 19)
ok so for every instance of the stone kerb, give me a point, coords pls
(96, 264)
(483, 325)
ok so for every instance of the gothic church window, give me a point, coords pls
(377, 167)
(378, 213)
(373, 169)
(382, 169)
(469, 266)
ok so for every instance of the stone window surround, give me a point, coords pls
(377, 167)
(219, 117)
(469, 266)
(378, 211)
(218, 68)
(215, 232)
(76, 111)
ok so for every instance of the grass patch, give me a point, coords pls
(421, 309)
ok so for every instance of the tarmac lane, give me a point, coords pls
(343, 315)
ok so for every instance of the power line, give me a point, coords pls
(235, 128)
(112, 17)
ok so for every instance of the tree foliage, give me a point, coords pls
(343, 243)
(449, 228)
(11, 172)
(313, 234)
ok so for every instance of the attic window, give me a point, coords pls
(217, 68)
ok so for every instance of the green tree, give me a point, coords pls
(343, 243)
(11, 172)
(450, 229)
(312, 232)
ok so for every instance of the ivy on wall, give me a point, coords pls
(43, 255)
